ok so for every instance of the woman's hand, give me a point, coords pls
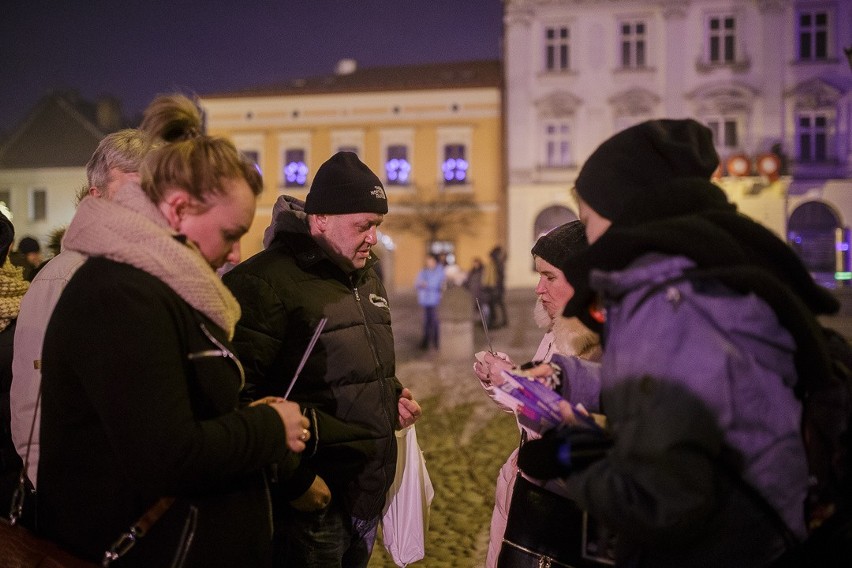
(488, 366)
(296, 425)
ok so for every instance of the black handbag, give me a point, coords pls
(20, 548)
(544, 530)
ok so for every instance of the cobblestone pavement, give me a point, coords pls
(464, 437)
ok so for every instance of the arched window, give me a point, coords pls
(812, 232)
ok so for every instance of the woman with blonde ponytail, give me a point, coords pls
(140, 384)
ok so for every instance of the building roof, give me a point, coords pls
(350, 79)
(62, 130)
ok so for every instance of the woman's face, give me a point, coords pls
(217, 225)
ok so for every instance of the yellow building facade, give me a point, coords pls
(432, 133)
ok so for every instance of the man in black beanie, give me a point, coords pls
(319, 264)
(709, 333)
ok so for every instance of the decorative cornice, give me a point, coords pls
(674, 8)
(558, 104)
(772, 6)
(634, 102)
(815, 94)
(724, 98)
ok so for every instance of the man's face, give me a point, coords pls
(348, 238)
(553, 289)
(117, 178)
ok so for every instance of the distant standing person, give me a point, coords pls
(474, 284)
(497, 285)
(430, 285)
(28, 257)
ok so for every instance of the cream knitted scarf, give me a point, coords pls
(12, 289)
(130, 229)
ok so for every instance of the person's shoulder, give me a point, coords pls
(270, 263)
(61, 266)
(102, 275)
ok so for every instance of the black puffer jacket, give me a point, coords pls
(348, 383)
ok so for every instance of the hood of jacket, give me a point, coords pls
(289, 227)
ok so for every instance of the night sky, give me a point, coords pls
(136, 49)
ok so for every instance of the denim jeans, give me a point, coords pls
(329, 538)
(431, 327)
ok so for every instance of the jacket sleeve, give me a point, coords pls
(259, 333)
(142, 398)
(669, 375)
(257, 340)
(581, 382)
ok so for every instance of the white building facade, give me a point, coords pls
(767, 76)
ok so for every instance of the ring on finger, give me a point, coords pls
(304, 435)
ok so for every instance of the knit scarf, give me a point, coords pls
(131, 229)
(12, 289)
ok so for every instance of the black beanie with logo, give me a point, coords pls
(344, 184)
(625, 176)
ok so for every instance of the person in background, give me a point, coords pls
(27, 256)
(708, 325)
(474, 285)
(495, 282)
(430, 284)
(114, 163)
(140, 386)
(563, 335)
(319, 264)
(12, 289)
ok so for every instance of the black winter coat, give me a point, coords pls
(128, 416)
(348, 382)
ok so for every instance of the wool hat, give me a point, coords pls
(28, 244)
(344, 184)
(633, 164)
(561, 243)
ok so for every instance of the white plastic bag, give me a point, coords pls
(406, 515)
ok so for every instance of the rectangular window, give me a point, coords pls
(725, 133)
(633, 42)
(295, 169)
(812, 135)
(397, 166)
(813, 35)
(38, 205)
(253, 156)
(455, 165)
(557, 49)
(557, 145)
(721, 39)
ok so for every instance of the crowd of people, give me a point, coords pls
(251, 413)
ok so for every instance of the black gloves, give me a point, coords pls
(561, 451)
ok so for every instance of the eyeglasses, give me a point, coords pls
(222, 351)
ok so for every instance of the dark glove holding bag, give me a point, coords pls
(545, 529)
(561, 451)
